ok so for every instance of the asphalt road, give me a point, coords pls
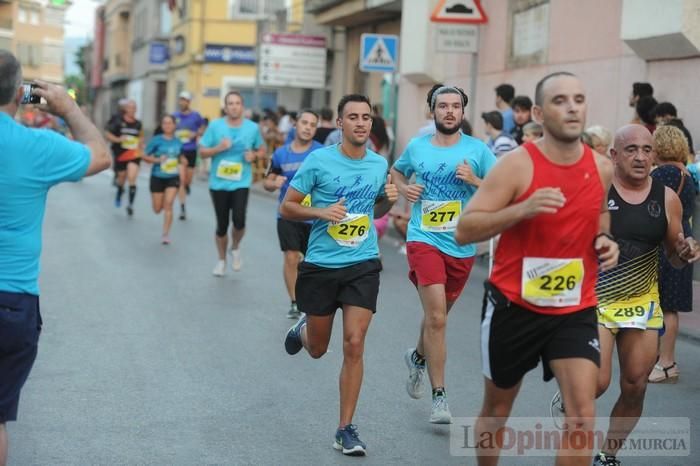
(146, 358)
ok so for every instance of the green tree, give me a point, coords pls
(78, 82)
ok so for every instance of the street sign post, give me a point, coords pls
(459, 11)
(379, 52)
(456, 38)
(293, 60)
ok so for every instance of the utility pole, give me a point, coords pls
(259, 30)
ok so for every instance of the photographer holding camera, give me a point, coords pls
(31, 162)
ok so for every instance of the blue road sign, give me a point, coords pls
(379, 52)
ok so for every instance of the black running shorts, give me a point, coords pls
(515, 339)
(20, 325)
(293, 236)
(321, 291)
(159, 185)
(121, 166)
(191, 157)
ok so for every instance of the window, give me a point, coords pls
(22, 15)
(29, 54)
(243, 8)
(529, 32)
(53, 17)
(165, 20)
(34, 17)
(52, 54)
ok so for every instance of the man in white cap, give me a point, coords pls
(189, 127)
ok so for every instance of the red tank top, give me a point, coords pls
(556, 250)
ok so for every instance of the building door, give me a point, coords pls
(161, 95)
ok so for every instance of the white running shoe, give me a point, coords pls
(556, 410)
(415, 385)
(219, 269)
(236, 264)
(440, 413)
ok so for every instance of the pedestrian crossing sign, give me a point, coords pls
(379, 52)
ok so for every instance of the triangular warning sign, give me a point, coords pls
(459, 11)
(379, 55)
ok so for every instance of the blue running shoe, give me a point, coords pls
(348, 441)
(117, 203)
(292, 343)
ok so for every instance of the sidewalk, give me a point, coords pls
(690, 321)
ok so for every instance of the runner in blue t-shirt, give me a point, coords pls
(234, 143)
(448, 167)
(349, 186)
(32, 161)
(164, 151)
(293, 236)
(190, 125)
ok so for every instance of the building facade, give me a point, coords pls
(149, 60)
(624, 41)
(214, 49)
(33, 31)
(112, 58)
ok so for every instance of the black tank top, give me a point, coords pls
(639, 230)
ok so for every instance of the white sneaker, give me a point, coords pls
(556, 410)
(440, 413)
(415, 385)
(236, 264)
(219, 269)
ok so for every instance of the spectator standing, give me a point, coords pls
(504, 97)
(22, 208)
(499, 140)
(522, 107)
(675, 285)
(325, 126)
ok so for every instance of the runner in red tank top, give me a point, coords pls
(548, 199)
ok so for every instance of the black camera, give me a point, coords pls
(27, 96)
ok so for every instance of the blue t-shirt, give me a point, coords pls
(172, 148)
(188, 125)
(229, 169)
(31, 162)
(508, 120)
(286, 162)
(329, 175)
(435, 215)
(291, 135)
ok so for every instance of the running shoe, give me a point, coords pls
(182, 215)
(129, 210)
(415, 385)
(556, 410)
(293, 312)
(219, 269)
(117, 203)
(601, 459)
(292, 342)
(348, 441)
(440, 413)
(165, 239)
(236, 264)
